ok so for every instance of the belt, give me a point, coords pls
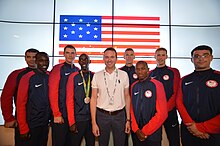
(109, 112)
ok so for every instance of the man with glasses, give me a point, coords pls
(198, 101)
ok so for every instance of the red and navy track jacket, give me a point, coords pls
(9, 93)
(77, 109)
(198, 100)
(131, 73)
(33, 107)
(148, 108)
(57, 88)
(170, 77)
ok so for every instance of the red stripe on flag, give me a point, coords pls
(131, 18)
(131, 25)
(131, 32)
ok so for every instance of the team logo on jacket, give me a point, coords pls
(166, 77)
(148, 94)
(211, 83)
(135, 76)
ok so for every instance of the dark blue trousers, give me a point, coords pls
(114, 123)
(84, 129)
(39, 137)
(61, 134)
(171, 126)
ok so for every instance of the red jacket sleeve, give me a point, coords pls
(172, 101)
(54, 81)
(134, 124)
(22, 98)
(8, 93)
(161, 110)
(210, 126)
(180, 106)
(70, 98)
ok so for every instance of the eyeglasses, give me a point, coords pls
(201, 56)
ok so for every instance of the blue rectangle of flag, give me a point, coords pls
(80, 28)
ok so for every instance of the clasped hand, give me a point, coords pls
(25, 136)
(141, 136)
(73, 128)
(194, 131)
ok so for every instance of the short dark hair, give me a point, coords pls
(42, 54)
(161, 49)
(202, 47)
(32, 50)
(129, 49)
(85, 55)
(142, 62)
(69, 46)
(111, 49)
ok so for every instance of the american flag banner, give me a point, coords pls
(93, 34)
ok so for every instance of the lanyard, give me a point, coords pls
(111, 98)
(86, 85)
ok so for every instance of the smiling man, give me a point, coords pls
(110, 102)
(33, 108)
(78, 94)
